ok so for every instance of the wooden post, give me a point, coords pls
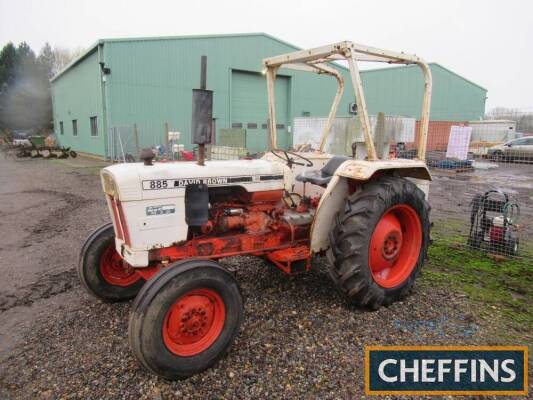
(379, 136)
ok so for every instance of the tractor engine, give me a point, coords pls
(242, 221)
(260, 212)
(245, 212)
(166, 212)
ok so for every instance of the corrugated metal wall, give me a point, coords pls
(249, 107)
(77, 96)
(151, 83)
(399, 90)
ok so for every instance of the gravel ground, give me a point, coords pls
(299, 338)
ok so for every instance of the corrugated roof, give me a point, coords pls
(493, 121)
(209, 36)
(94, 46)
(430, 64)
(81, 57)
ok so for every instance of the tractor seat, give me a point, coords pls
(321, 177)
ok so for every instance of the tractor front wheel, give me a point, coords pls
(102, 271)
(185, 318)
(380, 241)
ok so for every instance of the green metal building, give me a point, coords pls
(149, 82)
(399, 91)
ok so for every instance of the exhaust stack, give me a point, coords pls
(202, 113)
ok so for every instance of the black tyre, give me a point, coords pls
(511, 247)
(73, 154)
(102, 271)
(475, 241)
(185, 318)
(380, 241)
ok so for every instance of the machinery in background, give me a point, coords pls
(493, 223)
(24, 145)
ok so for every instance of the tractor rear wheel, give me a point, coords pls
(185, 318)
(380, 241)
(102, 271)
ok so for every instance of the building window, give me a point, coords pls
(236, 125)
(74, 127)
(280, 126)
(94, 126)
(61, 129)
(252, 125)
(264, 126)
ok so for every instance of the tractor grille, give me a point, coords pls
(121, 229)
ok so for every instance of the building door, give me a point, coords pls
(249, 109)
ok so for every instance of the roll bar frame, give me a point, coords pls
(318, 60)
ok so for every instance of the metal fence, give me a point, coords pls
(215, 152)
(482, 189)
(346, 137)
(124, 142)
(481, 194)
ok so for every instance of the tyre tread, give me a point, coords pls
(353, 228)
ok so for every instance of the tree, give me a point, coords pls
(26, 60)
(25, 94)
(523, 119)
(63, 57)
(25, 100)
(46, 61)
(8, 61)
(8, 67)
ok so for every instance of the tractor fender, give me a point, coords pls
(362, 170)
(337, 191)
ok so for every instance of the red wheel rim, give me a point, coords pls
(194, 322)
(115, 270)
(395, 246)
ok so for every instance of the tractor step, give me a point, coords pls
(294, 260)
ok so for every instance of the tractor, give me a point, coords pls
(172, 222)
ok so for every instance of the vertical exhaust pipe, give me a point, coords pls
(202, 113)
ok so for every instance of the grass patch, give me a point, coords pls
(497, 286)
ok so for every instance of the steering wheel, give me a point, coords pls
(286, 156)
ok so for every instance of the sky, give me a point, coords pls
(488, 42)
